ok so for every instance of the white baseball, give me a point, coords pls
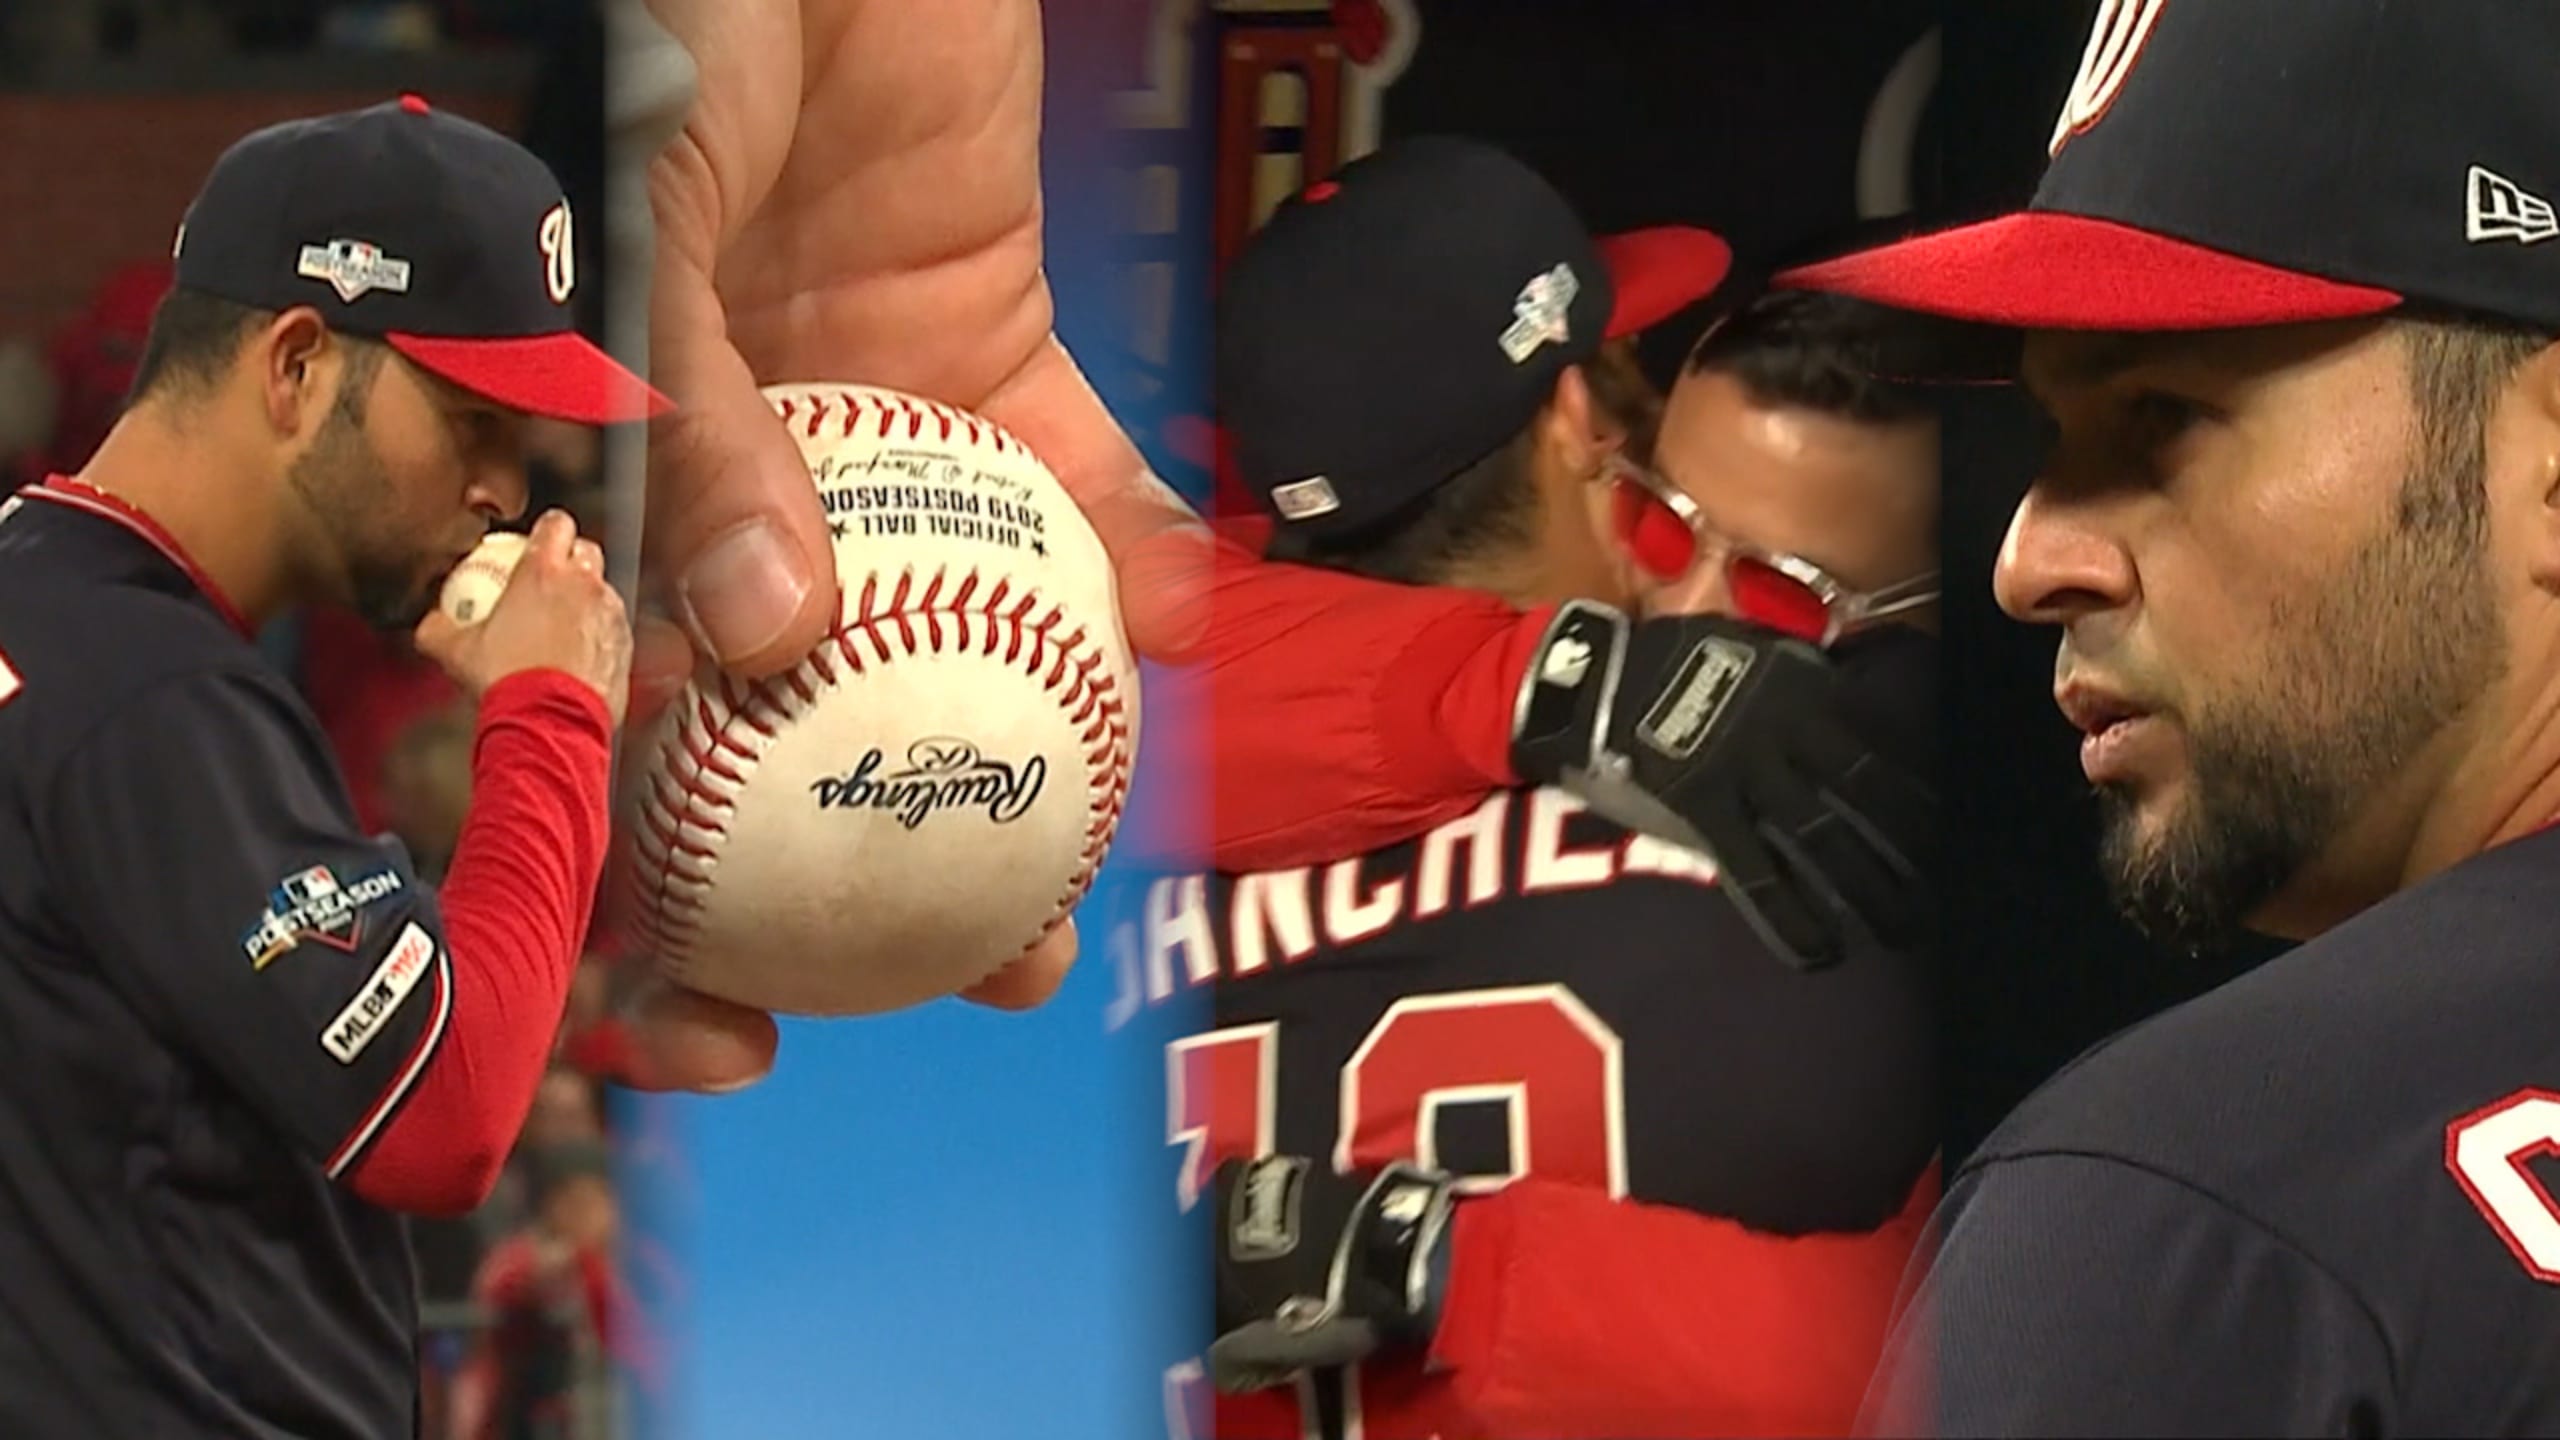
(476, 583)
(933, 787)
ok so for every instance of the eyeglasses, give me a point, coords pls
(1665, 533)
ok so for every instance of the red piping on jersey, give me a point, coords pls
(89, 499)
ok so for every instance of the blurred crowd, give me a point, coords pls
(61, 30)
(531, 1331)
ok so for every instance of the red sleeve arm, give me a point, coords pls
(516, 904)
(1341, 713)
(1571, 1316)
(1574, 1315)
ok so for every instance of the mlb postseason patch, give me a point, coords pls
(315, 904)
(412, 955)
(1541, 314)
(353, 268)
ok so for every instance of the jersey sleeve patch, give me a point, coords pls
(319, 906)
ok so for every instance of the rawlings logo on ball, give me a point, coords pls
(941, 774)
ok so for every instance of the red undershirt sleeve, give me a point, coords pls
(516, 904)
(1341, 713)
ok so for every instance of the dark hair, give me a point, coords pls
(1821, 352)
(195, 337)
(2458, 365)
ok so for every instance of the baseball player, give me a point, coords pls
(243, 1040)
(2290, 301)
(1535, 1064)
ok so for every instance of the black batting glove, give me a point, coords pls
(1317, 1270)
(1733, 740)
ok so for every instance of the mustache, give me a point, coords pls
(2118, 678)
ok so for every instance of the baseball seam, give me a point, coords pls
(709, 754)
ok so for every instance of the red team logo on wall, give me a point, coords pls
(1292, 90)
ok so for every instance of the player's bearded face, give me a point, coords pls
(393, 561)
(2347, 681)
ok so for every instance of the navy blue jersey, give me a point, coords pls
(2315, 1201)
(214, 994)
(1533, 990)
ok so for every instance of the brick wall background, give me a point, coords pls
(89, 182)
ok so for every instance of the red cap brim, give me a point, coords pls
(563, 376)
(2044, 270)
(1657, 273)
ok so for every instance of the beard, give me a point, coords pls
(2394, 646)
(347, 487)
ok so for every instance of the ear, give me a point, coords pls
(1571, 424)
(1577, 439)
(299, 366)
(2524, 443)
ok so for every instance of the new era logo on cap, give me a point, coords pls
(2503, 210)
(1305, 499)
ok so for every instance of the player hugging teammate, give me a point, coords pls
(1519, 1127)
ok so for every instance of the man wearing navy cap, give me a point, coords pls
(1520, 1132)
(2290, 290)
(242, 1039)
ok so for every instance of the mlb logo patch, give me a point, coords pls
(383, 992)
(310, 885)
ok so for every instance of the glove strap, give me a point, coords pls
(1382, 1285)
(1560, 718)
(1402, 1225)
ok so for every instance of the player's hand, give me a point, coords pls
(557, 613)
(1317, 1270)
(1740, 743)
(855, 196)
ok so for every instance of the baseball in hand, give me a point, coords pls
(931, 789)
(475, 585)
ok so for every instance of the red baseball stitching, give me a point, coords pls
(703, 764)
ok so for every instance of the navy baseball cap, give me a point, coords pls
(449, 242)
(2223, 163)
(1397, 322)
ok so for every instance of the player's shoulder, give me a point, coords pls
(82, 649)
(87, 606)
(2377, 1102)
(117, 647)
(2418, 993)
(2336, 1069)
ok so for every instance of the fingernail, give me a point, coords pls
(741, 592)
